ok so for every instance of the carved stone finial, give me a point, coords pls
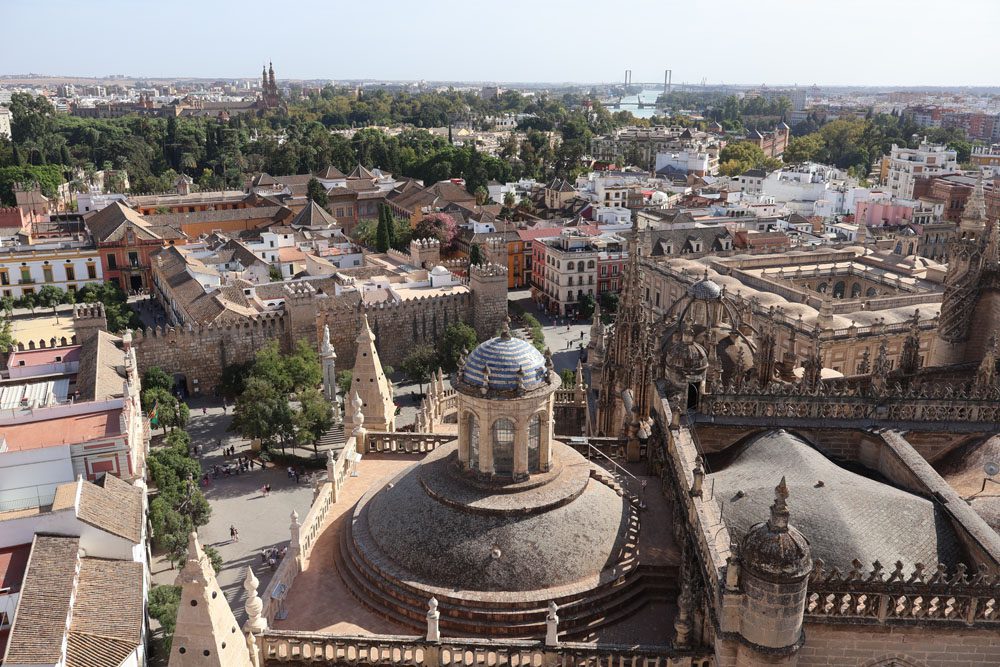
(433, 621)
(552, 625)
(779, 510)
(253, 606)
(505, 330)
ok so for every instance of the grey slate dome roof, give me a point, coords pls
(848, 516)
(498, 363)
(706, 290)
(429, 538)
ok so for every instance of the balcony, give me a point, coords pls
(26, 281)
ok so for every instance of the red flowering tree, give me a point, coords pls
(440, 226)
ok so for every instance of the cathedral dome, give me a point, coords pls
(688, 356)
(706, 290)
(504, 362)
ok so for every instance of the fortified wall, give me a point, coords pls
(197, 355)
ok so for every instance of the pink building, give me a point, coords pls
(880, 213)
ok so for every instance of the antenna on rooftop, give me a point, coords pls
(991, 468)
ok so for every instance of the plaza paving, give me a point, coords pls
(238, 501)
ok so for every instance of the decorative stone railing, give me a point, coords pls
(299, 647)
(895, 598)
(405, 443)
(303, 535)
(909, 407)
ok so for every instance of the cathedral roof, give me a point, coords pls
(501, 362)
(844, 515)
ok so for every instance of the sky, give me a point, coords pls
(773, 42)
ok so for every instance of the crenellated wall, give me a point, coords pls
(200, 353)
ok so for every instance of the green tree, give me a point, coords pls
(344, 381)
(274, 274)
(316, 192)
(476, 255)
(740, 156)
(568, 378)
(609, 302)
(7, 341)
(156, 378)
(263, 413)
(585, 304)
(382, 235)
(419, 363)
(458, 338)
(313, 418)
(804, 149)
(170, 413)
(163, 603)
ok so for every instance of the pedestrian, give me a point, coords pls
(234, 535)
(581, 335)
(267, 489)
(225, 406)
(204, 411)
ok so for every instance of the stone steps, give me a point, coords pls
(407, 606)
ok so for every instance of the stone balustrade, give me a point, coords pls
(301, 647)
(404, 442)
(898, 598)
(934, 407)
(305, 533)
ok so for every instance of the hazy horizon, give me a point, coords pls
(890, 43)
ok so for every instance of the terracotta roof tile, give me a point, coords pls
(107, 614)
(40, 623)
(112, 505)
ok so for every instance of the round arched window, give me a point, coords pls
(503, 446)
(473, 434)
(534, 438)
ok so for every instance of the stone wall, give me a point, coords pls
(398, 327)
(200, 354)
(850, 646)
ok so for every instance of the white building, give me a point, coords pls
(5, 117)
(905, 165)
(68, 265)
(690, 161)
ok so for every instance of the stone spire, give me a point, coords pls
(812, 366)
(371, 384)
(779, 510)
(627, 350)
(328, 358)
(909, 357)
(206, 633)
(765, 361)
(986, 374)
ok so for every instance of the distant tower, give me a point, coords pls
(206, 633)
(371, 384)
(263, 79)
(270, 79)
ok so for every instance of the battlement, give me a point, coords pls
(488, 272)
(495, 243)
(262, 322)
(301, 290)
(424, 244)
(88, 311)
